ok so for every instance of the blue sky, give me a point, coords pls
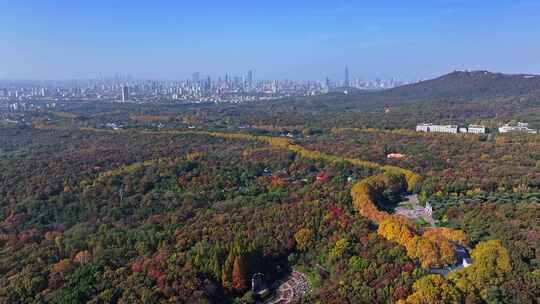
(46, 39)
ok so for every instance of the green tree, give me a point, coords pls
(339, 249)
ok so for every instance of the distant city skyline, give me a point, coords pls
(345, 79)
(300, 40)
(199, 88)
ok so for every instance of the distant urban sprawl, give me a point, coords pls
(197, 89)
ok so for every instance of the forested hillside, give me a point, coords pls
(464, 85)
(183, 216)
(167, 203)
(459, 97)
(168, 218)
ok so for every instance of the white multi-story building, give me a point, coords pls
(437, 128)
(476, 129)
(520, 127)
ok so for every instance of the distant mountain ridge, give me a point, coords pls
(455, 87)
(470, 85)
(460, 96)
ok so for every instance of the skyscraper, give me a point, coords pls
(275, 86)
(327, 84)
(196, 77)
(125, 93)
(347, 82)
(208, 84)
(250, 79)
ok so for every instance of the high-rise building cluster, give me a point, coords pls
(361, 84)
(198, 88)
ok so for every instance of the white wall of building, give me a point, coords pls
(454, 129)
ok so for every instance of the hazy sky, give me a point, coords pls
(309, 39)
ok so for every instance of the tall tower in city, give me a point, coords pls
(250, 79)
(275, 86)
(327, 84)
(125, 93)
(196, 77)
(208, 83)
(347, 83)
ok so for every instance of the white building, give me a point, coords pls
(428, 209)
(437, 128)
(520, 127)
(476, 129)
(454, 129)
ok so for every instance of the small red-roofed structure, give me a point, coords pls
(323, 176)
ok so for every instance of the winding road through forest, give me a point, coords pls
(296, 285)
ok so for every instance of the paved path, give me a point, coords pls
(415, 212)
(292, 288)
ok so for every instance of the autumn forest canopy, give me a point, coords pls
(293, 200)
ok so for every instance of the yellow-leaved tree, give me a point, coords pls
(433, 289)
(304, 238)
(490, 267)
